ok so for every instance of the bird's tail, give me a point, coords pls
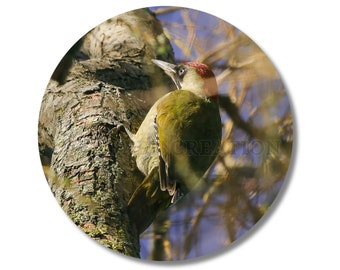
(147, 200)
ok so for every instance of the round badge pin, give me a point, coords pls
(165, 133)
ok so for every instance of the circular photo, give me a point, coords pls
(165, 133)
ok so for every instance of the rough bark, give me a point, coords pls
(106, 79)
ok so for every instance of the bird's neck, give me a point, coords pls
(204, 88)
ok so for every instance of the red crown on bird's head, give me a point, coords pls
(206, 73)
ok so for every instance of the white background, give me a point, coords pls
(302, 39)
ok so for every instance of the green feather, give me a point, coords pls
(189, 130)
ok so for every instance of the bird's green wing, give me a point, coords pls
(186, 123)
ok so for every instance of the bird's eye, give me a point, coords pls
(181, 72)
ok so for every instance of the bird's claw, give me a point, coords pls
(119, 128)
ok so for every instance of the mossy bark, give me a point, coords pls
(106, 79)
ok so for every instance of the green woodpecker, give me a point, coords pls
(177, 141)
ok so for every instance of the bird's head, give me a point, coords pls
(192, 76)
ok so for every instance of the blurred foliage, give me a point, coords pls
(257, 140)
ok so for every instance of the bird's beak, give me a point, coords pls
(170, 70)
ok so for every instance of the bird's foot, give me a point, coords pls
(119, 128)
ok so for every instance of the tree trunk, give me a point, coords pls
(106, 79)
